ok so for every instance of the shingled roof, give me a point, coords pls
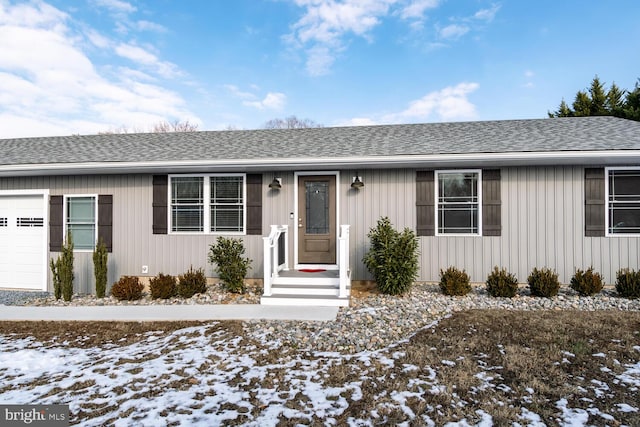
(576, 140)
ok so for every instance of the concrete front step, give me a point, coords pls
(305, 300)
(309, 280)
(299, 289)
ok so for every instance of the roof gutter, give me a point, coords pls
(619, 157)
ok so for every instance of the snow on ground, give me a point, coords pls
(207, 376)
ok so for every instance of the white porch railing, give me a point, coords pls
(343, 260)
(276, 254)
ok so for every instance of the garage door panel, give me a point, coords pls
(22, 242)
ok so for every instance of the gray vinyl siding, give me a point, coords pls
(134, 245)
(542, 225)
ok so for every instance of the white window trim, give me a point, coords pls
(66, 225)
(207, 205)
(607, 233)
(435, 204)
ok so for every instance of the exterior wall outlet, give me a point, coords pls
(145, 269)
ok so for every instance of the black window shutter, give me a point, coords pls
(160, 206)
(425, 199)
(56, 223)
(491, 203)
(594, 202)
(105, 220)
(254, 204)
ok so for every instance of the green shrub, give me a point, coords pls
(62, 271)
(392, 258)
(128, 288)
(231, 266)
(163, 286)
(543, 282)
(586, 283)
(100, 257)
(192, 282)
(57, 284)
(454, 282)
(628, 283)
(501, 283)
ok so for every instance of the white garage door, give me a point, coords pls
(22, 242)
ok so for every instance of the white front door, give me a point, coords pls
(23, 241)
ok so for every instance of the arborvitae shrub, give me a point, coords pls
(628, 283)
(62, 271)
(57, 284)
(100, 257)
(231, 265)
(501, 283)
(392, 258)
(128, 288)
(587, 283)
(163, 286)
(543, 282)
(192, 282)
(454, 282)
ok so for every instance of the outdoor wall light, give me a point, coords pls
(357, 183)
(276, 184)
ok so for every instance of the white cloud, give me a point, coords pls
(150, 26)
(448, 104)
(116, 6)
(416, 9)
(144, 57)
(358, 121)
(273, 101)
(453, 31)
(327, 22)
(487, 14)
(49, 84)
(239, 93)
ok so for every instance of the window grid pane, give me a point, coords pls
(624, 202)
(187, 204)
(458, 203)
(227, 204)
(81, 221)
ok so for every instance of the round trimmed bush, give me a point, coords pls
(501, 283)
(163, 286)
(628, 283)
(543, 282)
(192, 282)
(587, 283)
(128, 288)
(454, 282)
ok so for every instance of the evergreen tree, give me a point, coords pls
(582, 104)
(599, 102)
(598, 99)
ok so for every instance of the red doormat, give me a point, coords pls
(312, 270)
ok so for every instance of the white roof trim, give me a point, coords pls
(613, 157)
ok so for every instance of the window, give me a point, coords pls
(208, 203)
(80, 221)
(458, 202)
(623, 201)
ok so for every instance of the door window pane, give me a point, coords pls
(317, 214)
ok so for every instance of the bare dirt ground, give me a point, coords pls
(478, 367)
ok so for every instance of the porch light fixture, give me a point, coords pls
(357, 183)
(275, 184)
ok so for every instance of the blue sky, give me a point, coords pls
(86, 66)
